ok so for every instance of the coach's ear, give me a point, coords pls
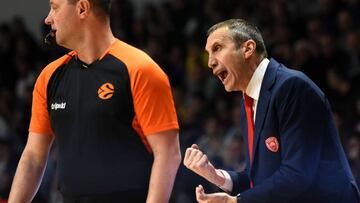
(249, 48)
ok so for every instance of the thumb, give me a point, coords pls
(194, 146)
(200, 193)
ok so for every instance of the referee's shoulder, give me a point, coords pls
(52, 66)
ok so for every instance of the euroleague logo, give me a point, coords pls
(106, 91)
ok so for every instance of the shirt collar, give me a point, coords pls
(253, 88)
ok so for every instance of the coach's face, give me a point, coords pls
(227, 61)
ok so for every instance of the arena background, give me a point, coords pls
(318, 37)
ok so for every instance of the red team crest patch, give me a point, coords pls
(272, 144)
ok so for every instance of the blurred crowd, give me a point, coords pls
(320, 38)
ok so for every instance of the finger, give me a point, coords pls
(195, 146)
(188, 152)
(195, 158)
(203, 161)
(187, 156)
(200, 193)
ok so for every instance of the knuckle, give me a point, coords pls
(205, 157)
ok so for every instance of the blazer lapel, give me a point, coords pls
(264, 99)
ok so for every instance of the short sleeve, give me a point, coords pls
(40, 122)
(152, 97)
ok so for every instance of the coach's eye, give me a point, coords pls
(216, 48)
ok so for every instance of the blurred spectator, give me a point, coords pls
(356, 118)
(5, 173)
(352, 48)
(234, 153)
(353, 152)
(8, 163)
(211, 140)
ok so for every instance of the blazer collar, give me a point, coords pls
(264, 99)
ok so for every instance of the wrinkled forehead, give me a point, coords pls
(219, 36)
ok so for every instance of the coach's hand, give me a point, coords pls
(220, 197)
(198, 162)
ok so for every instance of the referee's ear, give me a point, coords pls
(83, 8)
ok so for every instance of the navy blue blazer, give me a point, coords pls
(297, 153)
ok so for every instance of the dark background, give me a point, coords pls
(319, 37)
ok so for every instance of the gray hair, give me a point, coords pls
(241, 31)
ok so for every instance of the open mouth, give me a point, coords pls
(222, 75)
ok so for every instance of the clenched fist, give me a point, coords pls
(198, 162)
